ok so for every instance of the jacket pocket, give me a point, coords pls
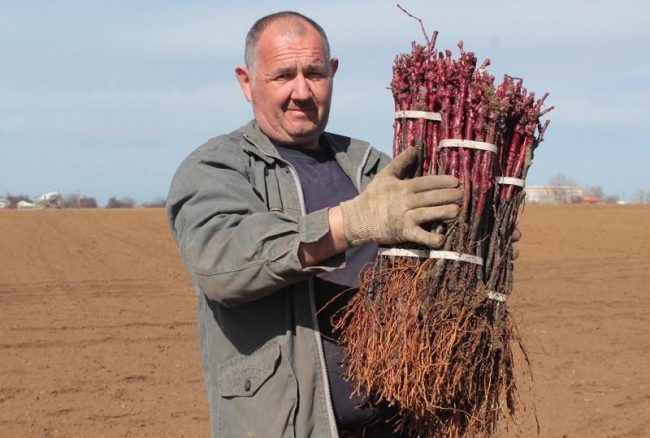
(257, 395)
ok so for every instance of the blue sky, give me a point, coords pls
(107, 97)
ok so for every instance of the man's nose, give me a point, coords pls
(301, 88)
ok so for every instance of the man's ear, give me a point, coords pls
(334, 65)
(244, 78)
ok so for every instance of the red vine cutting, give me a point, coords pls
(434, 336)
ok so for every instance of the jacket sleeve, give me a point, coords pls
(236, 249)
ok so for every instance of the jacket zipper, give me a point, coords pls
(360, 170)
(312, 304)
(312, 297)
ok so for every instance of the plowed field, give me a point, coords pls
(99, 337)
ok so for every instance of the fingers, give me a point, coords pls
(413, 232)
(432, 182)
(432, 214)
(516, 237)
(435, 197)
(401, 164)
(426, 238)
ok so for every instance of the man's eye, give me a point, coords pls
(283, 77)
(316, 75)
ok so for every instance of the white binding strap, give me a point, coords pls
(426, 254)
(510, 181)
(402, 252)
(496, 296)
(409, 114)
(468, 144)
(450, 255)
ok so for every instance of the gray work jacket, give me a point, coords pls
(236, 211)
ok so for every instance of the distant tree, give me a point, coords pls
(15, 199)
(562, 188)
(561, 179)
(158, 202)
(89, 202)
(594, 191)
(76, 200)
(125, 202)
(641, 197)
(612, 199)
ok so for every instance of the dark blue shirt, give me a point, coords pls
(324, 184)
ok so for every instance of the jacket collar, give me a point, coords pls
(351, 154)
(258, 142)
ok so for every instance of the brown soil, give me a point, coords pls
(99, 336)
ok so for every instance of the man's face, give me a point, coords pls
(290, 85)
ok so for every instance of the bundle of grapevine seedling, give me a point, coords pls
(429, 331)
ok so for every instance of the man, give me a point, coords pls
(274, 222)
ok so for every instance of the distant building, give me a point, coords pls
(4, 203)
(49, 199)
(541, 194)
(24, 205)
(591, 199)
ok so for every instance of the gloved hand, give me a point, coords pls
(516, 237)
(392, 209)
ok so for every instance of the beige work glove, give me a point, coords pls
(393, 209)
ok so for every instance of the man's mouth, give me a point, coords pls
(302, 110)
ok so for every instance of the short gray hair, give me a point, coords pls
(253, 36)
